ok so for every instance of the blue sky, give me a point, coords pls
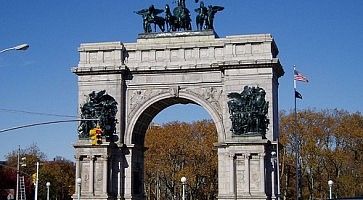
(324, 39)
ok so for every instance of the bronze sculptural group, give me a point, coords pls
(179, 19)
(150, 16)
(248, 111)
(205, 17)
(103, 108)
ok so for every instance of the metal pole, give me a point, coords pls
(330, 183)
(79, 181)
(297, 146)
(47, 184)
(278, 169)
(79, 191)
(17, 175)
(183, 191)
(183, 180)
(36, 183)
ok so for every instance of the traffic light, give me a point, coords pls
(93, 136)
(99, 133)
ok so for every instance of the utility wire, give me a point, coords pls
(44, 123)
(35, 113)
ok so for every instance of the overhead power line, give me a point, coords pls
(44, 123)
(35, 113)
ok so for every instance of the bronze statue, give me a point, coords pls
(181, 3)
(99, 106)
(201, 18)
(179, 19)
(182, 16)
(248, 111)
(150, 16)
(212, 10)
(170, 20)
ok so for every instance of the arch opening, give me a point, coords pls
(141, 126)
(147, 112)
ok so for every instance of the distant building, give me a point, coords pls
(2, 163)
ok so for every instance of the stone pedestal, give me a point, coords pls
(101, 169)
(245, 169)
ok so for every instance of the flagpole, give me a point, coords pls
(297, 145)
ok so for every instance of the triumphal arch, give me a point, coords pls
(234, 78)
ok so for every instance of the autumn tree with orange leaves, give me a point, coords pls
(59, 172)
(331, 144)
(180, 149)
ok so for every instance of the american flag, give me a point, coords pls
(300, 77)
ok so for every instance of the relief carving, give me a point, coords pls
(212, 95)
(139, 97)
(175, 91)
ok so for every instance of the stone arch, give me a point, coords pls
(140, 121)
(167, 69)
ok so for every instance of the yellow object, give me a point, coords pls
(96, 135)
(34, 178)
(92, 136)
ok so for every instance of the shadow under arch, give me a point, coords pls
(135, 132)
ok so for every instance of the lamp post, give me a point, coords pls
(274, 174)
(183, 180)
(36, 183)
(79, 181)
(47, 184)
(19, 47)
(330, 183)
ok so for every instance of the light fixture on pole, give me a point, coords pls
(330, 183)
(79, 181)
(19, 47)
(183, 180)
(47, 184)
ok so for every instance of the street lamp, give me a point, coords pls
(47, 184)
(79, 181)
(19, 47)
(36, 182)
(330, 183)
(183, 180)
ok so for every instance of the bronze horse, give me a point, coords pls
(180, 19)
(149, 16)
